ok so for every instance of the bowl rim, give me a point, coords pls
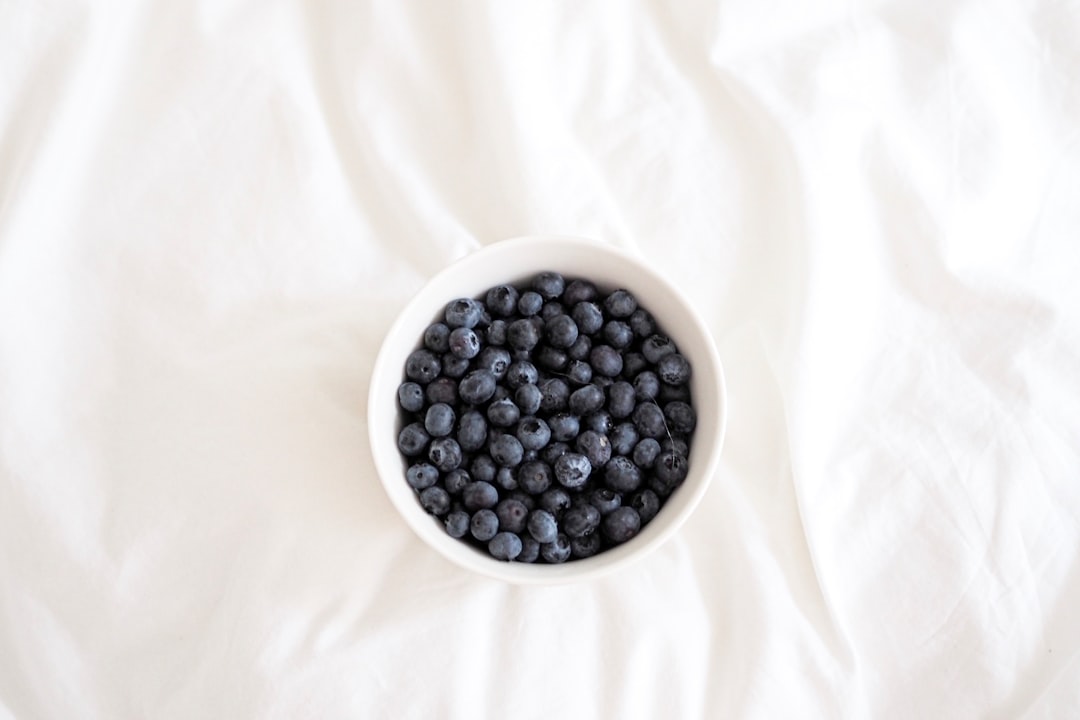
(385, 454)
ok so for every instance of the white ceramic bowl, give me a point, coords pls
(509, 262)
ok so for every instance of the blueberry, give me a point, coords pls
(580, 520)
(522, 334)
(671, 393)
(472, 431)
(463, 313)
(561, 331)
(496, 332)
(623, 438)
(600, 422)
(456, 480)
(542, 526)
(585, 400)
(588, 317)
(621, 399)
(423, 366)
(439, 420)
(646, 385)
(410, 397)
(533, 433)
(550, 285)
(521, 373)
(506, 479)
(464, 343)
(564, 427)
(649, 420)
(445, 454)
(504, 546)
(578, 291)
(595, 447)
(494, 359)
(580, 349)
(646, 452)
(555, 500)
(605, 360)
(435, 500)
(670, 468)
(512, 515)
(437, 338)
(578, 372)
(622, 475)
(477, 387)
(454, 366)
(551, 310)
(483, 469)
(479, 494)
(632, 364)
(457, 524)
(680, 417)
(585, 546)
(618, 334)
(530, 303)
(501, 393)
(572, 470)
(602, 381)
(555, 394)
(556, 552)
(553, 451)
(421, 475)
(528, 399)
(550, 358)
(620, 304)
(605, 500)
(502, 300)
(676, 444)
(413, 439)
(503, 413)
(656, 347)
(642, 323)
(534, 477)
(530, 550)
(524, 498)
(646, 503)
(621, 525)
(441, 390)
(506, 450)
(484, 525)
(673, 369)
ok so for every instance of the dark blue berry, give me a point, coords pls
(649, 420)
(578, 372)
(435, 500)
(646, 503)
(671, 393)
(588, 317)
(442, 390)
(505, 546)
(502, 300)
(624, 437)
(620, 304)
(572, 470)
(556, 552)
(621, 525)
(521, 373)
(454, 366)
(530, 550)
(599, 421)
(457, 524)
(484, 525)
(410, 396)
(456, 480)
(479, 494)
(564, 427)
(561, 331)
(423, 366)
(550, 285)
(621, 399)
(673, 369)
(642, 323)
(495, 359)
(580, 349)
(676, 444)
(437, 338)
(533, 433)
(605, 360)
(671, 468)
(622, 475)
(528, 399)
(680, 417)
(542, 526)
(580, 520)
(534, 477)
(530, 303)
(472, 431)
(477, 387)
(464, 343)
(550, 358)
(463, 313)
(506, 479)
(618, 334)
(413, 439)
(524, 498)
(595, 447)
(439, 420)
(496, 332)
(605, 500)
(553, 451)
(506, 450)
(585, 546)
(551, 310)
(646, 385)
(656, 347)
(483, 469)
(503, 413)
(555, 500)
(646, 452)
(632, 364)
(585, 400)
(555, 394)
(578, 291)
(522, 334)
(421, 475)
(512, 515)
(445, 454)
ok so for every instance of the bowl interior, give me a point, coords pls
(509, 262)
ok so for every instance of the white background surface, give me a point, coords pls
(210, 212)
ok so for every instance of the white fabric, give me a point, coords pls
(210, 212)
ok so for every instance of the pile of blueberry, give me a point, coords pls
(545, 422)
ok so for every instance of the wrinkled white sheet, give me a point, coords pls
(210, 212)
